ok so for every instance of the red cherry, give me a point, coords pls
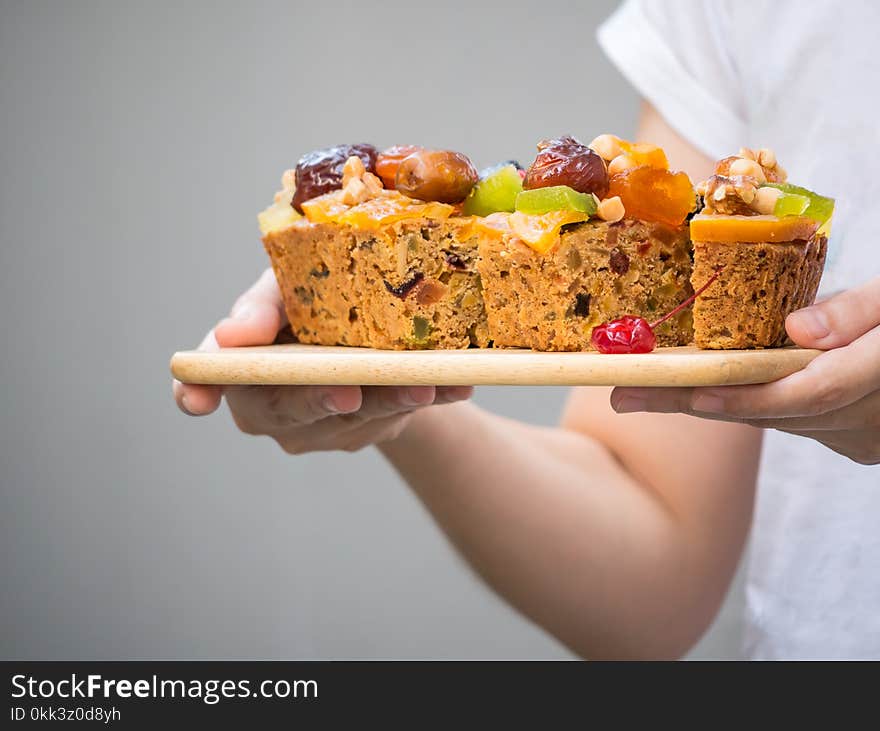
(627, 334)
(631, 334)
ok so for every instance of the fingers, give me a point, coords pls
(452, 394)
(256, 317)
(267, 409)
(838, 321)
(198, 400)
(833, 380)
(300, 417)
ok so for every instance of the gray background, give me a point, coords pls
(138, 142)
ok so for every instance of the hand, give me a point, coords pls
(303, 418)
(834, 400)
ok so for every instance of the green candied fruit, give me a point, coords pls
(421, 329)
(495, 192)
(820, 207)
(555, 198)
(791, 204)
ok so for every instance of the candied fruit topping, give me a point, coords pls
(820, 208)
(540, 232)
(791, 204)
(320, 171)
(495, 191)
(643, 153)
(654, 195)
(436, 175)
(555, 198)
(389, 160)
(277, 216)
(495, 224)
(387, 207)
(627, 334)
(751, 229)
(565, 161)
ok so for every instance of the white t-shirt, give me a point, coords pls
(803, 79)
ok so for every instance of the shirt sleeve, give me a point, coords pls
(678, 55)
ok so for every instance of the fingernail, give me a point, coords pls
(185, 403)
(630, 404)
(708, 404)
(814, 321)
(329, 406)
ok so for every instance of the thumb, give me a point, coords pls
(256, 317)
(837, 321)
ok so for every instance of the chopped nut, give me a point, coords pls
(744, 166)
(728, 195)
(767, 157)
(606, 146)
(765, 200)
(620, 164)
(611, 209)
(747, 153)
(354, 192)
(353, 168)
(373, 184)
(288, 179)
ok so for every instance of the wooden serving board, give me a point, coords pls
(323, 365)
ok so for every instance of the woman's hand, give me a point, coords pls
(303, 418)
(834, 400)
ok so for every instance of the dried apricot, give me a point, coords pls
(652, 194)
(643, 153)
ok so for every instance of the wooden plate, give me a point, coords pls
(323, 365)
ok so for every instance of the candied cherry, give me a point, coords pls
(389, 160)
(565, 161)
(320, 171)
(633, 334)
(436, 175)
(627, 334)
(652, 194)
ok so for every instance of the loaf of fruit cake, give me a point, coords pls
(599, 231)
(361, 263)
(766, 240)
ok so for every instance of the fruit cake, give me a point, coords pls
(598, 231)
(369, 266)
(766, 241)
(593, 246)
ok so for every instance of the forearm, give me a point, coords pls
(553, 523)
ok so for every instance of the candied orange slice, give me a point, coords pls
(652, 194)
(388, 207)
(541, 232)
(751, 229)
(643, 153)
(325, 208)
(495, 224)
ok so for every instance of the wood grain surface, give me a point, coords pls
(323, 365)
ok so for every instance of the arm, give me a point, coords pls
(618, 534)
